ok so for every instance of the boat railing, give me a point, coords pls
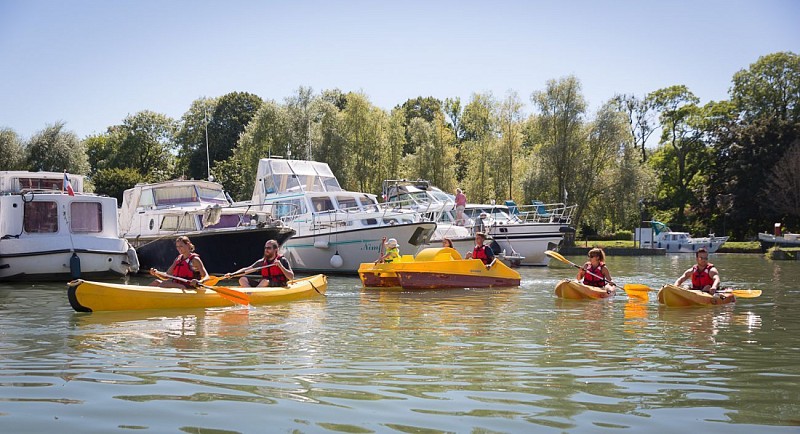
(545, 213)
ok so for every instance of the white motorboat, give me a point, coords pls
(434, 205)
(787, 239)
(337, 230)
(680, 242)
(51, 230)
(226, 236)
(526, 231)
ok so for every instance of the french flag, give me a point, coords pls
(68, 185)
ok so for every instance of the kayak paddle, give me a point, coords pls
(233, 295)
(213, 280)
(741, 293)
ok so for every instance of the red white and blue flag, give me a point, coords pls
(68, 185)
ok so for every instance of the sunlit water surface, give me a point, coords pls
(359, 361)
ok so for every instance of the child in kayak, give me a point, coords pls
(594, 272)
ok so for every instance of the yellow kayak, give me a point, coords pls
(574, 290)
(675, 296)
(88, 296)
(437, 268)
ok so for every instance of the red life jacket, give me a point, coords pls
(701, 278)
(274, 274)
(480, 253)
(183, 268)
(591, 280)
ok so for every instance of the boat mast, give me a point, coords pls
(208, 159)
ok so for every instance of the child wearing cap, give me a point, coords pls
(392, 251)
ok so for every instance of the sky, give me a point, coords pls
(91, 63)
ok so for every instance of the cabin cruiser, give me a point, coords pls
(337, 230)
(434, 205)
(526, 231)
(226, 236)
(680, 242)
(51, 230)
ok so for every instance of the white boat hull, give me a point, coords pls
(692, 245)
(527, 240)
(314, 253)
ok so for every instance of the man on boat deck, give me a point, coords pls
(594, 272)
(392, 251)
(186, 266)
(275, 269)
(482, 251)
(704, 274)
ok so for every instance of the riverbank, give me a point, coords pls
(624, 245)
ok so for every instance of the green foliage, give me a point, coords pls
(11, 150)
(190, 139)
(54, 149)
(419, 107)
(266, 135)
(143, 142)
(114, 181)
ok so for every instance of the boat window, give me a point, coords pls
(146, 199)
(41, 184)
(369, 204)
(347, 203)
(179, 223)
(289, 208)
(40, 217)
(322, 204)
(175, 195)
(229, 221)
(269, 185)
(215, 195)
(86, 217)
(288, 183)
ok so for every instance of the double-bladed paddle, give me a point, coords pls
(741, 293)
(233, 295)
(213, 280)
(634, 288)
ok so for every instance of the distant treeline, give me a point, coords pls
(725, 167)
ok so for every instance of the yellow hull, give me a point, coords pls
(437, 268)
(87, 296)
(675, 296)
(575, 290)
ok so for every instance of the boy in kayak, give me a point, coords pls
(186, 266)
(704, 274)
(275, 269)
(594, 272)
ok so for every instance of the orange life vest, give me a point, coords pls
(589, 279)
(183, 268)
(274, 274)
(701, 278)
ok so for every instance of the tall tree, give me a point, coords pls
(480, 136)
(419, 107)
(12, 154)
(361, 129)
(55, 149)
(641, 120)
(191, 138)
(266, 135)
(510, 155)
(144, 142)
(300, 117)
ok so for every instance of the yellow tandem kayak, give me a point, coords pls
(88, 296)
(675, 296)
(437, 268)
(574, 290)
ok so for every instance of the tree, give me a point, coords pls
(480, 135)
(783, 185)
(54, 149)
(12, 154)
(361, 130)
(266, 135)
(770, 87)
(191, 137)
(510, 150)
(641, 120)
(114, 181)
(300, 116)
(419, 107)
(143, 142)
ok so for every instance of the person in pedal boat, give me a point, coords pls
(482, 251)
(391, 249)
(594, 267)
(187, 265)
(704, 274)
(447, 242)
(278, 272)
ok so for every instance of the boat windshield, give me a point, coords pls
(212, 195)
(174, 195)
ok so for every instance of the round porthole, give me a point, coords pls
(152, 223)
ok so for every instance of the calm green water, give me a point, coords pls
(513, 360)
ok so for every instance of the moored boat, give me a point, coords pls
(680, 242)
(88, 296)
(574, 290)
(675, 296)
(437, 268)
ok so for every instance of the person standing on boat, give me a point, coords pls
(461, 203)
(482, 251)
(704, 274)
(392, 251)
(187, 265)
(276, 270)
(594, 272)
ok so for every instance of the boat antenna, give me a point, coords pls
(208, 159)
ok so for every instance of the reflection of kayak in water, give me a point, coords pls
(575, 290)
(675, 296)
(87, 296)
(437, 268)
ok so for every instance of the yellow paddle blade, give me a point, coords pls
(636, 287)
(558, 256)
(233, 295)
(746, 293)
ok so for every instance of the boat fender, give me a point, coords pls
(75, 265)
(336, 260)
(321, 244)
(133, 260)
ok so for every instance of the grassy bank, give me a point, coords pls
(728, 247)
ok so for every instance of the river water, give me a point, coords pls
(360, 361)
